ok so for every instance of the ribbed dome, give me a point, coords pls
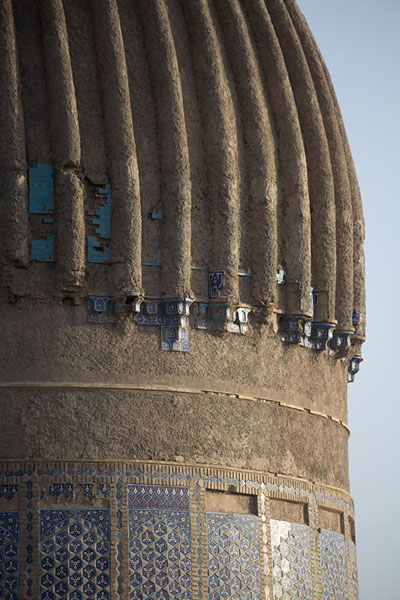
(211, 129)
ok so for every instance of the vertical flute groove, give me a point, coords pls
(220, 142)
(175, 168)
(126, 221)
(143, 105)
(200, 240)
(339, 161)
(320, 178)
(13, 194)
(358, 232)
(65, 145)
(292, 159)
(261, 151)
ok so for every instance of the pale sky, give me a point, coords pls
(360, 41)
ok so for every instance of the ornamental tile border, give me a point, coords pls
(9, 555)
(212, 477)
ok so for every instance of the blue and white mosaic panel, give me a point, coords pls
(9, 548)
(291, 561)
(333, 565)
(233, 557)
(75, 554)
(159, 543)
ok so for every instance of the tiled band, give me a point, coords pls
(141, 530)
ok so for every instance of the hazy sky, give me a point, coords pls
(360, 41)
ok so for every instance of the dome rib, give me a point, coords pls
(14, 205)
(343, 169)
(89, 100)
(65, 144)
(148, 150)
(220, 143)
(175, 167)
(126, 219)
(260, 149)
(320, 179)
(337, 159)
(200, 213)
(296, 229)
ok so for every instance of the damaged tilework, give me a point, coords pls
(333, 566)
(264, 532)
(218, 316)
(9, 551)
(43, 250)
(233, 557)
(103, 309)
(41, 202)
(173, 318)
(159, 542)
(98, 249)
(291, 561)
(75, 554)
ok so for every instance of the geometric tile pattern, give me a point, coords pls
(291, 561)
(353, 570)
(159, 543)
(233, 557)
(333, 565)
(9, 547)
(75, 554)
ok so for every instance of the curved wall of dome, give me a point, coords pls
(182, 291)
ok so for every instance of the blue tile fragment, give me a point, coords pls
(215, 283)
(280, 277)
(43, 250)
(157, 214)
(104, 214)
(97, 251)
(41, 189)
(103, 309)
